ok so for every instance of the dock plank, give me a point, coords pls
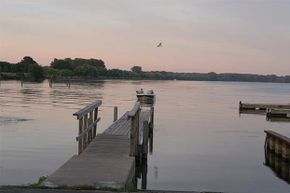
(105, 163)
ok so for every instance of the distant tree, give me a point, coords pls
(212, 76)
(61, 64)
(66, 72)
(136, 69)
(51, 72)
(287, 79)
(36, 71)
(27, 60)
(86, 70)
(28, 65)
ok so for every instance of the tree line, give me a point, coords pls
(67, 68)
(27, 68)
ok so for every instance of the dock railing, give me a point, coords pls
(88, 119)
(134, 115)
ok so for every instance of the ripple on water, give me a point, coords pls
(12, 120)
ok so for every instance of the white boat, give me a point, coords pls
(145, 97)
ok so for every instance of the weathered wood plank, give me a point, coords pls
(120, 126)
(135, 109)
(88, 109)
(104, 163)
(278, 136)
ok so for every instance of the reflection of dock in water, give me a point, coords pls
(278, 165)
(277, 154)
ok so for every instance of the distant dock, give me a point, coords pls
(261, 106)
(109, 159)
(273, 112)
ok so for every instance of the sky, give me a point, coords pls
(242, 36)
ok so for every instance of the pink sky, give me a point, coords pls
(197, 36)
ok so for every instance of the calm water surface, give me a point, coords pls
(200, 141)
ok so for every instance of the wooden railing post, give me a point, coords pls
(81, 125)
(85, 126)
(90, 133)
(134, 131)
(115, 113)
(145, 139)
(88, 119)
(95, 119)
(152, 118)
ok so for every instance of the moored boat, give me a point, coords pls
(145, 97)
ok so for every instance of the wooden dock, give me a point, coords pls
(277, 154)
(278, 144)
(109, 159)
(278, 113)
(273, 112)
(261, 106)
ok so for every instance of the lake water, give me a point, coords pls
(201, 142)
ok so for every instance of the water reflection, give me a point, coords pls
(277, 119)
(31, 94)
(155, 172)
(255, 112)
(11, 120)
(279, 166)
(200, 142)
(62, 96)
(141, 173)
(142, 163)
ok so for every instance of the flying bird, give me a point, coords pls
(160, 44)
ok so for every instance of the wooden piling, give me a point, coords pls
(95, 118)
(115, 113)
(134, 132)
(145, 139)
(50, 82)
(81, 125)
